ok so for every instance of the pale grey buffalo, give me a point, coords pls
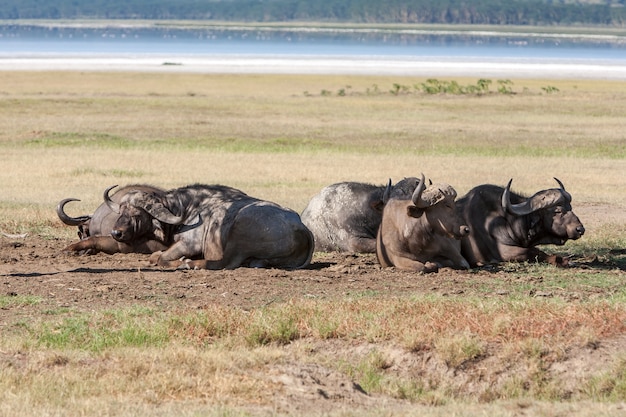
(345, 216)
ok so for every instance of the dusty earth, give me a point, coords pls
(31, 265)
(35, 266)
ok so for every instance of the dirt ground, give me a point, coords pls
(31, 265)
(35, 266)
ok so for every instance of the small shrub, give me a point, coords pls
(550, 89)
(483, 85)
(431, 86)
(373, 90)
(504, 87)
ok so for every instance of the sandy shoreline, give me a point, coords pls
(435, 67)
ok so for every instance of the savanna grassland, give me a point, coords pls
(111, 335)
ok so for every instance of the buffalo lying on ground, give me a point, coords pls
(95, 230)
(345, 216)
(508, 227)
(214, 227)
(419, 233)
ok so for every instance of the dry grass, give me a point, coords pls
(75, 134)
(222, 356)
(277, 137)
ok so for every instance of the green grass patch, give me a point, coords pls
(130, 173)
(373, 320)
(609, 385)
(15, 300)
(113, 329)
(73, 139)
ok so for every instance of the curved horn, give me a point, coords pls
(566, 196)
(70, 221)
(560, 183)
(417, 194)
(112, 204)
(520, 209)
(158, 210)
(387, 192)
(540, 200)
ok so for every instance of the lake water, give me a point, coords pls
(310, 50)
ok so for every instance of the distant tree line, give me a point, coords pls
(498, 12)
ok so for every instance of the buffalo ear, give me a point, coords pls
(377, 205)
(414, 211)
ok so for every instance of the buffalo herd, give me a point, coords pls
(412, 225)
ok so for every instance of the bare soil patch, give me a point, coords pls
(37, 267)
(33, 266)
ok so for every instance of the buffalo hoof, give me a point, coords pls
(185, 264)
(430, 267)
(154, 258)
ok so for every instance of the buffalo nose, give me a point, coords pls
(580, 230)
(117, 234)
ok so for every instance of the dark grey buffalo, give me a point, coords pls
(421, 233)
(345, 216)
(215, 227)
(508, 227)
(95, 230)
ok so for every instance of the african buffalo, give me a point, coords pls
(345, 216)
(215, 227)
(418, 233)
(95, 230)
(507, 226)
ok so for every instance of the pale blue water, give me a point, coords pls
(16, 40)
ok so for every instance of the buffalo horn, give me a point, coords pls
(70, 221)
(387, 192)
(540, 200)
(566, 196)
(520, 209)
(112, 204)
(417, 194)
(560, 183)
(159, 211)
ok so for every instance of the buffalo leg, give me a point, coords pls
(95, 244)
(207, 264)
(407, 264)
(157, 258)
(174, 256)
(451, 255)
(108, 245)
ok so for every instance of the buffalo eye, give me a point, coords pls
(558, 210)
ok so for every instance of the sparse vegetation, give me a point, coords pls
(500, 347)
(434, 86)
(550, 89)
